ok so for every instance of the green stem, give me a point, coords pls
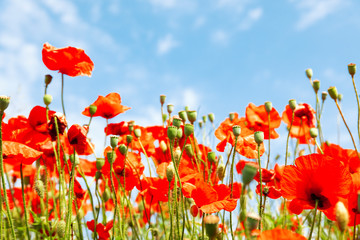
(146, 156)
(261, 186)
(24, 202)
(288, 136)
(314, 219)
(232, 183)
(62, 94)
(319, 227)
(114, 196)
(69, 210)
(267, 164)
(358, 104)
(354, 227)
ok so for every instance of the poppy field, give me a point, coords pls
(163, 182)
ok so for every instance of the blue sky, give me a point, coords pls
(216, 56)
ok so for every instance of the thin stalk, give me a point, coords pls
(261, 187)
(146, 156)
(62, 94)
(232, 184)
(24, 202)
(114, 196)
(354, 226)
(358, 104)
(268, 160)
(319, 227)
(288, 136)
(314, 219)
(69, 211)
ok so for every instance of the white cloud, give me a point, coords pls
(191, 98)
(199, 21)
(164, 3)
(252, 16)
(166, 44)
(233, 5)
(312, 11)
(220, 37)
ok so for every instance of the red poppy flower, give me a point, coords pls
(257, 117)
(77, 139)
(107, 107)
(70, 61)
(280, 234)
(16, 153)
(101, 230)
(315, 177)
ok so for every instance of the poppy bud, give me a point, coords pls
(106, 194)
(114, 140)
(220, 171)
(92, 110)
(179, 133)
(352, 69)
(204, 118)
(177, 122)
(236, 130)
(74, 159)
(333, 93)
(324, 95)
(39, 188)
(342, 216)
(129, 139)
(170, 172)
(194, 210)
(186, 109)
(162, 99)
(211, 117)
(60, 228)
(110, 157)
(211, 157)
(259, 137)
(189, 151)
(170, 108)
(137, 132)
(309, 73)
(188, 129)
(177, 154)
(292, 104)
(316, 85)
(171, 132)
(314, 132)
(183, 115)
(4, 103)
(248, 173)
(211, 225)
(231, 116)
(164, 117)
(100, 162)
(47, 99)
(131, 126)
(163, 146)
(268, 107)
(97, 175)
(192, 115)
(48, 79)
(340, 97)
(123, 149)
(200, 124)
(252, 221)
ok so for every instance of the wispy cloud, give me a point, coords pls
(220, 37)
(252, 16)
(199, 21)
(312, 11)
(166, 44)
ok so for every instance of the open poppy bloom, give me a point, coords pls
(315, 178)
(16, 153)
(280, 234)
(77, 139)
(101, 230)
(107, 107)
(69, 61)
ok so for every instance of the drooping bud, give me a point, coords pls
(200, 124)
(352, 69)
(163, 146)
(292, 104)
(259, 137)
(171, 132)
(114, 140)
(92, 110)
(211, 157)
(188, 129)
(211, 117)
(170, 172)
(170, 108)
(177, 122)
(123, 149)
(189, 151)
(333, 93)
(314, 132)
(268, 107)
(183, 115)
(39, 188)
(192, 115)
(162, 99)
(211, 225)
(324, 95)
(220, 171)
(97, 175)
(74, 159)
(340, 97)
(179, 133)
(231, 116)
(309, 73)
(248, 173)
(236, 130)
(106, 194)
(129, 139)
(252, 221)
(342, 216)
(60, 228)
(4, 103)
(47, 99)
(110, 157)
(316, 85)
(204, 118)
(100, 162)
(194, 210)
(48, 79)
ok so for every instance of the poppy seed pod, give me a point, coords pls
(188, 129)
(211, 157)
(131, 126)
(340, 97)
(172, 132)
(129, 139)
(183, 115)
(259, 137)
(211, 226)
(47, 99)
(170, 172)
(177, 122)
(189, 151)
(164, 117)
(97, 175)
(236, 130)
(74, 159)
(162, 99)
(309, 73)
(292, 104)
(333, 93)
(110, 157)
(39, 188)
(4, 103)
(324, 95)
(114, 140)
(179, 133)
(211, 117)
(137, 132)
(204, 118)
(200, 124)
(268, 106)
(248, 173)
(48, 79)
(60, 228)
(316, 85)
(342, 216)
(231, 116)
(352, 69)
(123, 149)
(92, 110)
(163, 146)
(220, 171)
(314, 132)
(170, 108)
(192, 115)
(106, 194)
